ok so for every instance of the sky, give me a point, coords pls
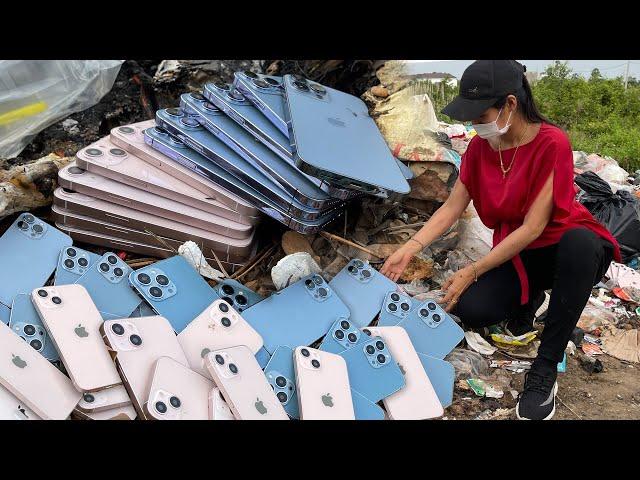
(608, 68)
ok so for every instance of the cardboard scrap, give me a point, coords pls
(591, 349)
(622, 344)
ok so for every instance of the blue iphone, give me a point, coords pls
(237, 295)
(365, 409)
(174, 289)
(25, 322)
(297, 315)
(29, 251)
(442, 376)
(395, 307)
(266, 92)
(73, 262)
(280, 374)
(362, 288)
(342, 335)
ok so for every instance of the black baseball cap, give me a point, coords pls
(482, 84)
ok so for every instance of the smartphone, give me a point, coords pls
(138, 343)
(132, 139)
(177, 393)
(264, 195)
(342, 335)
(13, 409)
(281, 375)
(29, 251)
(334, 138)
(362, 288)
(25, 322)
(266, 92)
(73, 323)
(33, 380)
(299, 314)
(418, 399)
(432, 331)
(373, 372)
(323, 385)
(243, 384)
(120, 413)
(218, 326)
(77, 179)
(237, 295)
(218, 408)
(106, 282)
(365, 409)
(442, 376)
(174, 289)
(104, 400)
(73, 262)
(395, 308)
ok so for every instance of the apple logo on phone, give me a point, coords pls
(327, 400)
(18, 362)
(81, 332)
(260, 407)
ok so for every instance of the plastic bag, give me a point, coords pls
(605, 167)
(467, 364)
(619, 212)
(37, 93)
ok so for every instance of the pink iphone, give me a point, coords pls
(33, 380)
(417, 400)
(323, 387)
(244, 386)
(138, 343)
(120, 413)
(218, 408)
(73, 323)
(103, 400)
(177, 393)
(219, 326)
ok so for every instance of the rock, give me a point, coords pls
(619, 397)
(294, 242)
(292, 268)
(433, 180)
(418, 268)
(380, 91)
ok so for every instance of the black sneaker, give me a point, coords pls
(538, 399)
(522, 320)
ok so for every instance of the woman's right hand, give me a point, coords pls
(397, 262)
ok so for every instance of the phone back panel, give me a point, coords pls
(281, 375)
(267, 97)
(73, 262)
(31, 378)
(108, 399)
(26, 323)
(120, 413)
(362, 288)
(136, 362)
(442, 376)
(182, 299)
(418, 399)
(28, 241)
(342, 335)
(173, 380)
(365, 409)
(297, 315)
(13, 409)
(218, 326)
(74, 326)
(323, 385)
(247, 391)
(106, 281)
(432, 331)
(218, 408)
(369, 376)
(395, 308)
(237, 295)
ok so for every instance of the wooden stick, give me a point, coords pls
(255, 262)
(224, 272)
(402, 227)
(331, 236)
(141, 264)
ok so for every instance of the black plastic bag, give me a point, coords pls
(619, 212)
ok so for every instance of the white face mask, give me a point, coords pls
(491, 130)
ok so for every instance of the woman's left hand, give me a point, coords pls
(456, 285)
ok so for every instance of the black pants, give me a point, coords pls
(570, 268)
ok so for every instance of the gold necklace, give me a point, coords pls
(505, 171)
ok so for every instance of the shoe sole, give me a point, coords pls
(551, 414)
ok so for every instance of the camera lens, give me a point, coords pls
(258, 82)
(29, 330)
(222, 85)
(315, 363)
(29, 218)
(104, 267)
(233, 368)
(174, 112)
(381, 358)
(436, 317)
(160, 130)
(118, 272)
(281, 381)
(93, 152)
(56, 300)
(395, 297)
(227, 289)
(351, 269)
(339, 334)
(424, 312)
(83, 262)
(42, 293)
(162, 280)
(305, 352)
(22, 225)
(37, 228)
(225, 322)
(272, 81)
(71, 252)
(175, 402)
(370, 349)
(161, 407)
(144, 278)
(235, 95)
(345, 325)
(379, 345)
(118, 152)
(250, 74)
(358, 263)
(301, 86)
(77, 170)
(227, 299)
(36, 344)
(127, 130)
(155, 292)
(393, 307)
(69, 263)
(431, 306)
(366, 273)
(317, 279)
(309, 283)
(87, 397)
(189, 121)
(322, 292)
(223, 307)
(318, 88)
(404, 306)
(367, 331)
(220, 359)
(198, 96)
(136, 340)
(352, 337)
(211, 106)
(282, 397)
(241, 300)
(117, 329)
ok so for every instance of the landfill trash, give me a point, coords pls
(479, 344)
(484, 389)
(542, 310)
(498, 414)
(37, 93)
(571, 348)
(623, 276)
(593, 317)
(592, 339)
(292, 268)
(521, 351)
(520, 340)
(605, 167)
(192, 254)
(619, 211)
(591, 349)
(476, 240)
(70, 126)
(562, 366)
(621, 294)
(622, 344)
(415, 288)
(590, 364)
(516, 366)
(294, 242)
(577, 336)
(467, 364)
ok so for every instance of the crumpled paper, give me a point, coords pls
(192, 254)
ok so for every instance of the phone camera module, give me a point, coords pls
(29, 330)
(83, 262)
(322, 292)
(379, 345)
(392, 307)
(144, 278)
(71, 252)
(29, 218)
(424, 312)
(37, 228)
(282, 397)
(233, 368)
(126, 130)
(235, 95)
(220, 359)
(395, 297)
(352, 337)
(210, 106)
(104, 267)
(42, 293)
(250, 74)
(309, 283)
(76, 170)
(189, 121)
(175, 402)
(404, 306)
(370, 349)
(345, 325)
(366, 273)
(272, 81)
(224, 308)
(339, 334)
(87, 397)
(174, 112)
(315, 363)
(162, 280)
(317, 279)
(260, 83)
(358, 263)
(56, 300)
(23, 225)
(300, 85)
(117, 152)
(155, 292)
(198, 96)
(118, 272)
(135, 340)
(305, 352)
(227, 289)
(381, 358)
(436, 317)
(225, 322)
(161, 407)
(241, 300)
(117, 329)
(222, 85)
(317, 88)
(69, 263)
(431, 306)
(93, 152)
